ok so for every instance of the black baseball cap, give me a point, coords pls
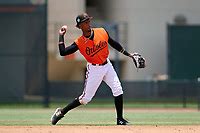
(82, 18)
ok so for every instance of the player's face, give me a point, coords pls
(85, 26)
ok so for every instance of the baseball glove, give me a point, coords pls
(138, 60)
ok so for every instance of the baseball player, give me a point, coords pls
(93, 45)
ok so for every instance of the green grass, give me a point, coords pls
(132, 104)
(32, 113)
(108, 103)
(87, 116)
(101, 105)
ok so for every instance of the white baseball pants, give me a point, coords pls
(94, 76)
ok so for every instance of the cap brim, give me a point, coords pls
(89, 18)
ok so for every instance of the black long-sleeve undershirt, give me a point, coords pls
(67, 50)
(73, 47)
(114, 44)
(117, 46)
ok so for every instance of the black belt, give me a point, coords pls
(100, 64)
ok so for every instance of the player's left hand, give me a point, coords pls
(138, 60)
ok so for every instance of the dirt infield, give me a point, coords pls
(100, 129)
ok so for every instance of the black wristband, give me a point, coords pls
(126, 53)
(61, 38)
(123, 51)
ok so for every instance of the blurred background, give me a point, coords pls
(166, 33)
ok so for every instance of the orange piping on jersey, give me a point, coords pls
(95, 51)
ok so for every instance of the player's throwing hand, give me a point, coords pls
(63, 30)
